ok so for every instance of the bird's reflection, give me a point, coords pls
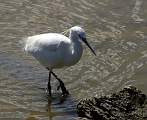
(49, 109)
(56, 106)
(55, 100)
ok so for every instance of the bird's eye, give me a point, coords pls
(80, 36)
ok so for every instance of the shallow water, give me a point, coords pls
(117, 31)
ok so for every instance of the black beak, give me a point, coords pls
(85, 41)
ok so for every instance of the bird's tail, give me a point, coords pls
(23, 42)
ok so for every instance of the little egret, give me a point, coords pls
(54, 50)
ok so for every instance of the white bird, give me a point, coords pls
(54, 50)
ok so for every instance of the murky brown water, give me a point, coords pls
(116, 29)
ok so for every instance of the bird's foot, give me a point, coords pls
(48, 92)
(65, 93)
(64, 90)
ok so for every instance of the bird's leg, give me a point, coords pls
(49, 83)
(63, 88)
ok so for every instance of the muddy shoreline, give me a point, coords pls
(127, 104)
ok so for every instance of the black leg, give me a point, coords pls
(63, 88)
(49, 83)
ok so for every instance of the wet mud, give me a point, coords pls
(128, 104)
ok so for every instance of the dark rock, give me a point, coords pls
(128, 104)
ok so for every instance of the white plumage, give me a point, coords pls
(55, 50)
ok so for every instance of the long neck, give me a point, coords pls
(76, 50)
(76, 45)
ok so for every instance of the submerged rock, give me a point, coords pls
(128, 104)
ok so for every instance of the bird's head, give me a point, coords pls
(81, 35)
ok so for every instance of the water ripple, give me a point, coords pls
(115, 29)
